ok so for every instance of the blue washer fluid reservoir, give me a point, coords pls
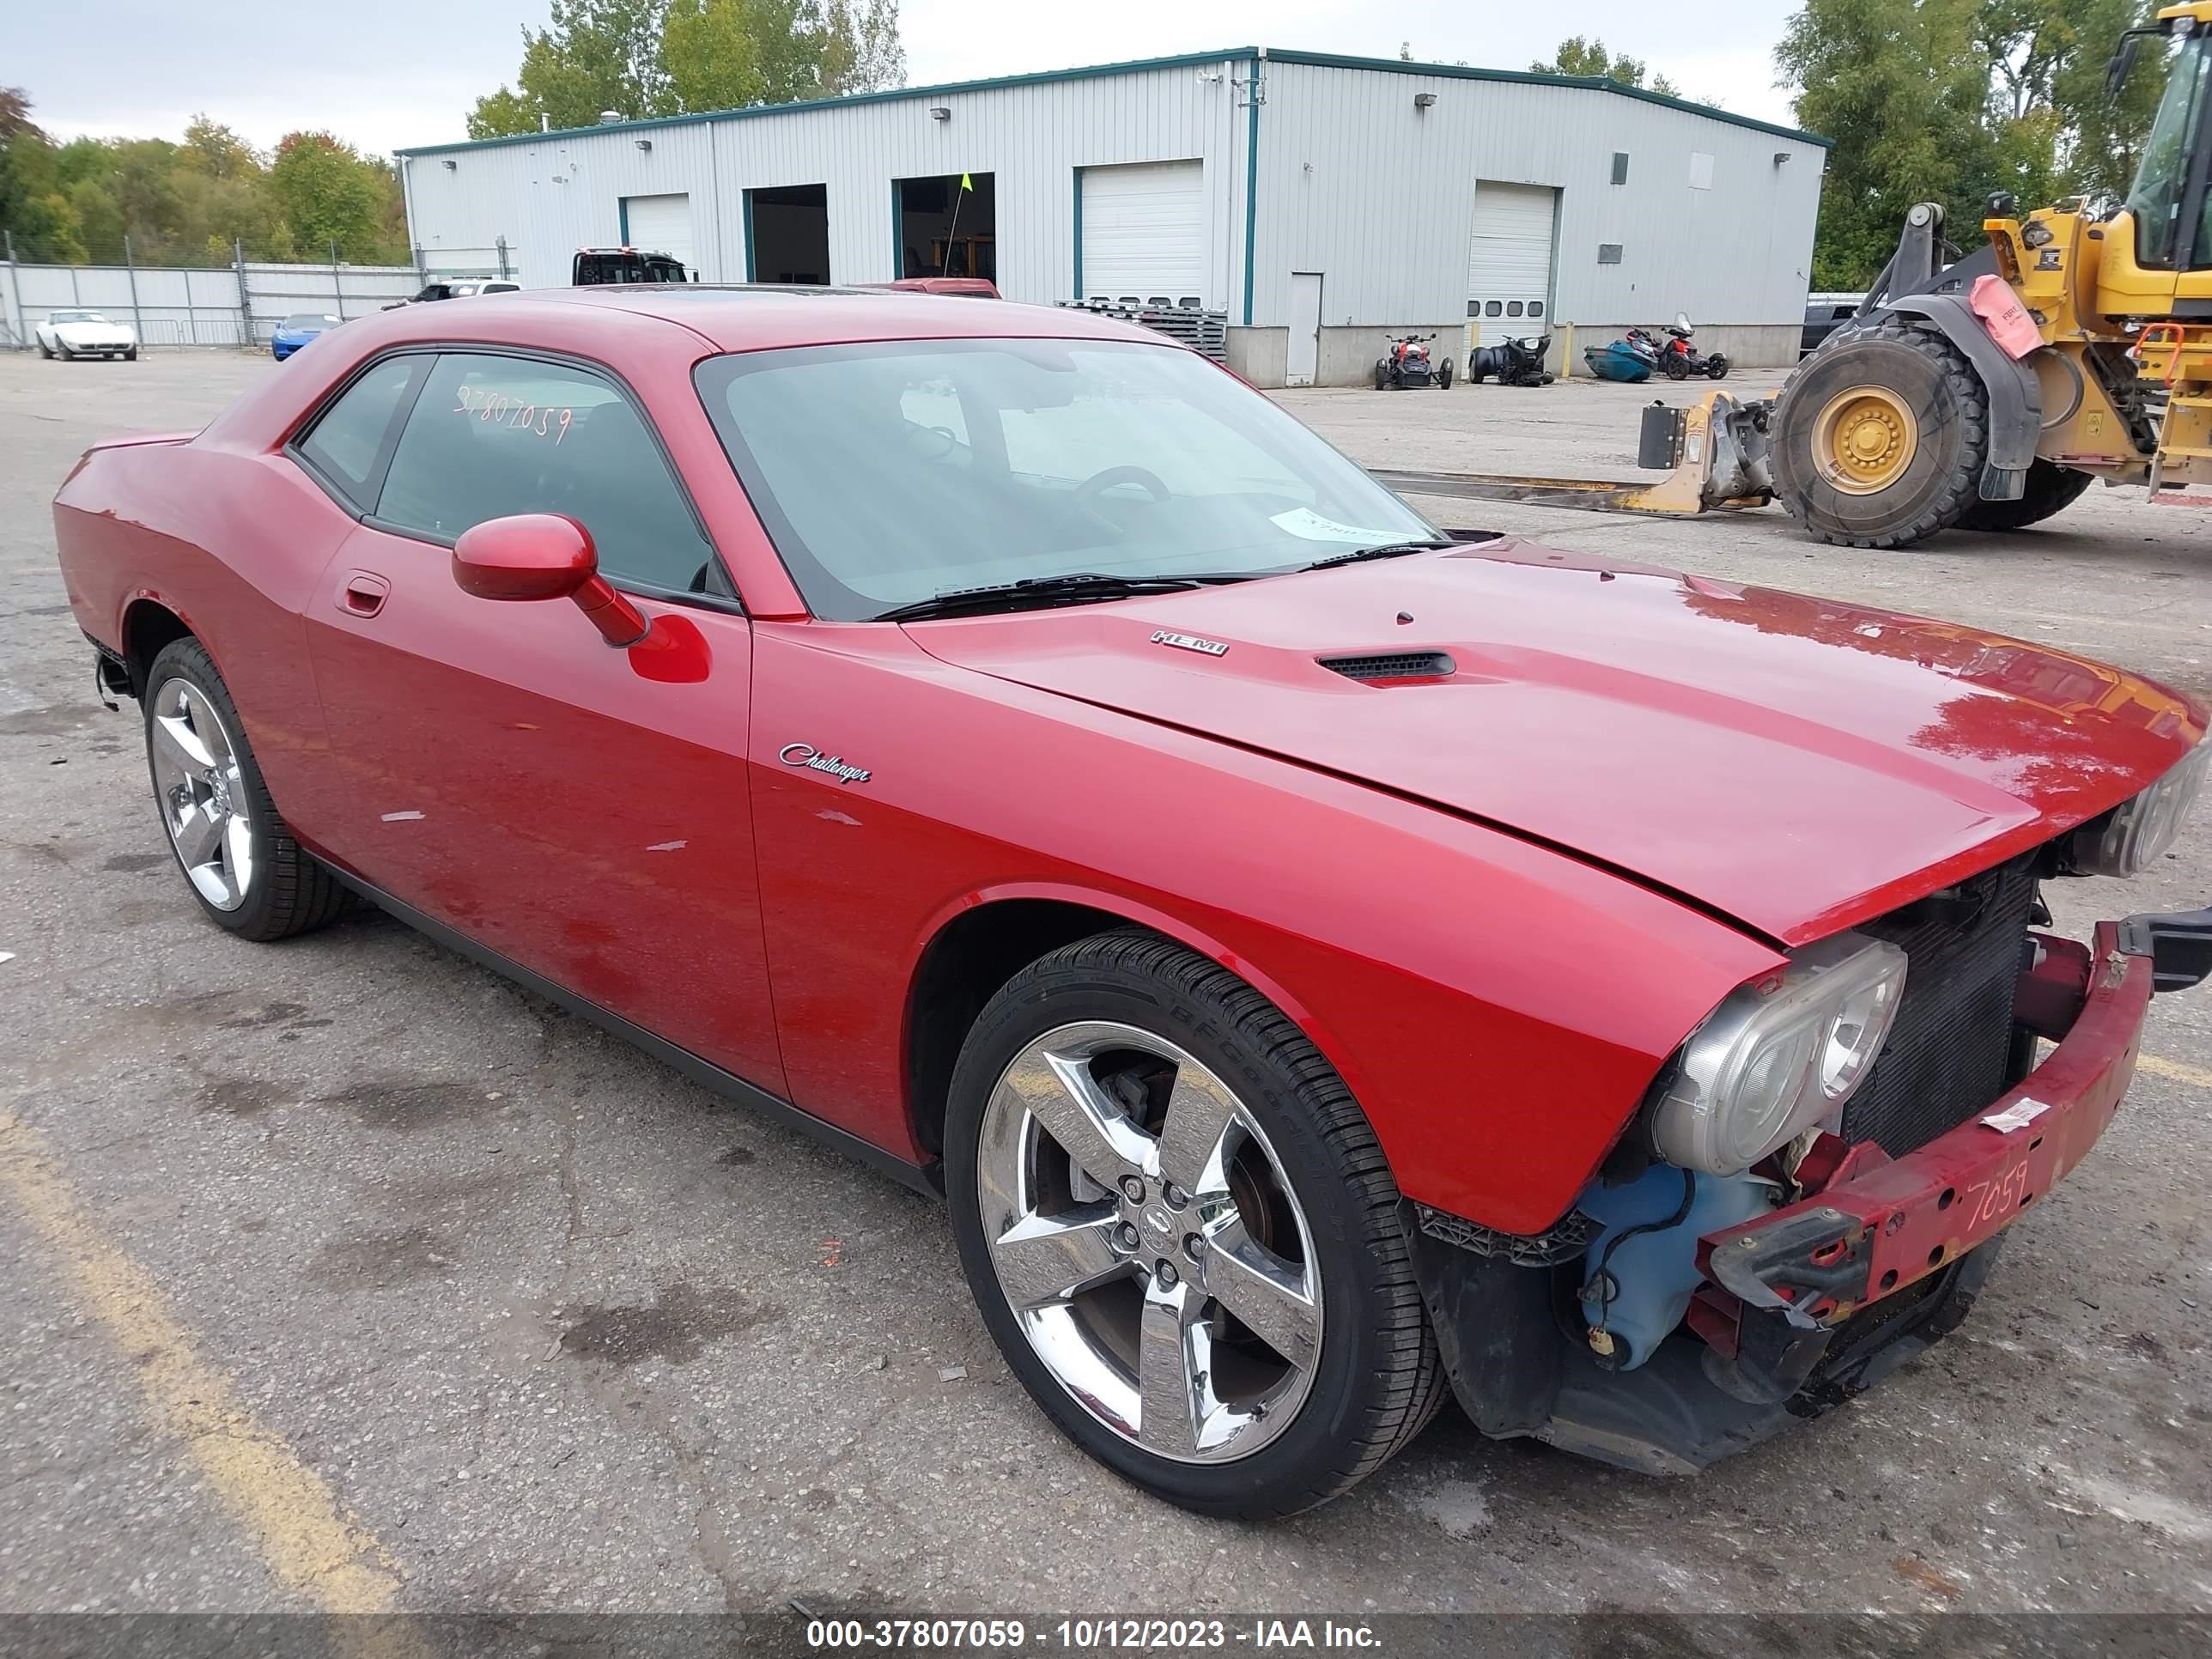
(1652, 1274)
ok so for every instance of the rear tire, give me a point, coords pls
(1879, 439)
(1156, 1031)
(236, 853)
(1716, 367)
(1673, 367)
(2051, 488)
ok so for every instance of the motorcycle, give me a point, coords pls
(1678, 359)
(1407, 365)
(1514, 363)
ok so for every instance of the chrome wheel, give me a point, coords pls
(202, 793)
(1149, 1244)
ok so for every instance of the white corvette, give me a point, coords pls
(85, 334)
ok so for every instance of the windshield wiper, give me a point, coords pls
(1041, 589)
(1388, 551)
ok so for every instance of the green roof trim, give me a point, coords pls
(1537, 78)
(1135, 66)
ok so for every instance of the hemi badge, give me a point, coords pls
(1190, 643)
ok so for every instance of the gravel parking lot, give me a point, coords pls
(557, 1330)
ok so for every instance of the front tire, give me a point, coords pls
(1182, 1233)
(131, 355)
(1445, 376)
(1880, 439)
(1716, 367)
(2051, 488)
(46, 351)
(236, 852)
(1381, 378)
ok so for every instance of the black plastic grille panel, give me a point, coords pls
(1947, 1055)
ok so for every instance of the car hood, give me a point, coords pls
(1797, 764)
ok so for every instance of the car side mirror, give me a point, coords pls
(545, 555)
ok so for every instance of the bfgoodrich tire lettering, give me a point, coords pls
(1372, 1378)
(237, 855)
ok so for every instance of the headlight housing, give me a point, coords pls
(2128, 840)
(1777, 1057)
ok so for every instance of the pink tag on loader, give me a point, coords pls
(1995, 303)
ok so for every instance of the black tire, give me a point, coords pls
(1445, 376)
(291, 891)
(46, 351)
(1951, 411)
(1377, 1379)
(1673, 367)
(1381, 378)
(2051, 488)
(1716, 367)
(131, 355)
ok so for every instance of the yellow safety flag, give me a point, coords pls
(966, 182)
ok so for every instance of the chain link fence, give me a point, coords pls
(238, 305)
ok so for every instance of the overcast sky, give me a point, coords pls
(385, 78)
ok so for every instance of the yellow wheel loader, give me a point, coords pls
(1985, 394)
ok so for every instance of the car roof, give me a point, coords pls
(740, 318)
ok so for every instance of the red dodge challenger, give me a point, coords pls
(1326, 962)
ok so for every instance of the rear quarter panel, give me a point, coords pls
(236, 545)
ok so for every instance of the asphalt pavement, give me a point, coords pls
(342, 1275)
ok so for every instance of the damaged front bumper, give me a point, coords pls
(1811, 1303)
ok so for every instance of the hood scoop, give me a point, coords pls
(1390, 667)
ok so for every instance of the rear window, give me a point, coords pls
(348, 444)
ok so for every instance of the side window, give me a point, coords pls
(492, 436)
(350, 440)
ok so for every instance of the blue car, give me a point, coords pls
(297, 330)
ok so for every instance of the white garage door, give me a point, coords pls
(1144, 232)
(1508, 261)
(659, 224)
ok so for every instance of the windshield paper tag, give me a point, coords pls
(1309, 526)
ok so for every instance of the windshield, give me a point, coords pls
(2156, 199)
(75, 317)
(887, 473)
(306, 321)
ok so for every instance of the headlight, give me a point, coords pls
(2134, 833)
(1780, 1056)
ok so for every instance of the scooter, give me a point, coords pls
(1514, 363)
(1679, 360)
(1407, 366)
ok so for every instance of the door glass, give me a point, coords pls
(349, 440)
(492, 436)
(2155, 201)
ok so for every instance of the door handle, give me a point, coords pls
(362, 594)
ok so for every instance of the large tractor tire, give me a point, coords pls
(2051, 488)
(1880, 440)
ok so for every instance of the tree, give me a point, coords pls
(593, 55)
(645, 58)
(1948, 100)
(1577, 56)
(330, 195)
(214, 151)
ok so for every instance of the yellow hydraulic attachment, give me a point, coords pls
(1716, 450)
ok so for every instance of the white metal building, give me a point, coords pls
(1321, 203)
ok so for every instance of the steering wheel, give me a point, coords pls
(1099, 482)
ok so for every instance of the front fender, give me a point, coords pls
(2016, 397)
